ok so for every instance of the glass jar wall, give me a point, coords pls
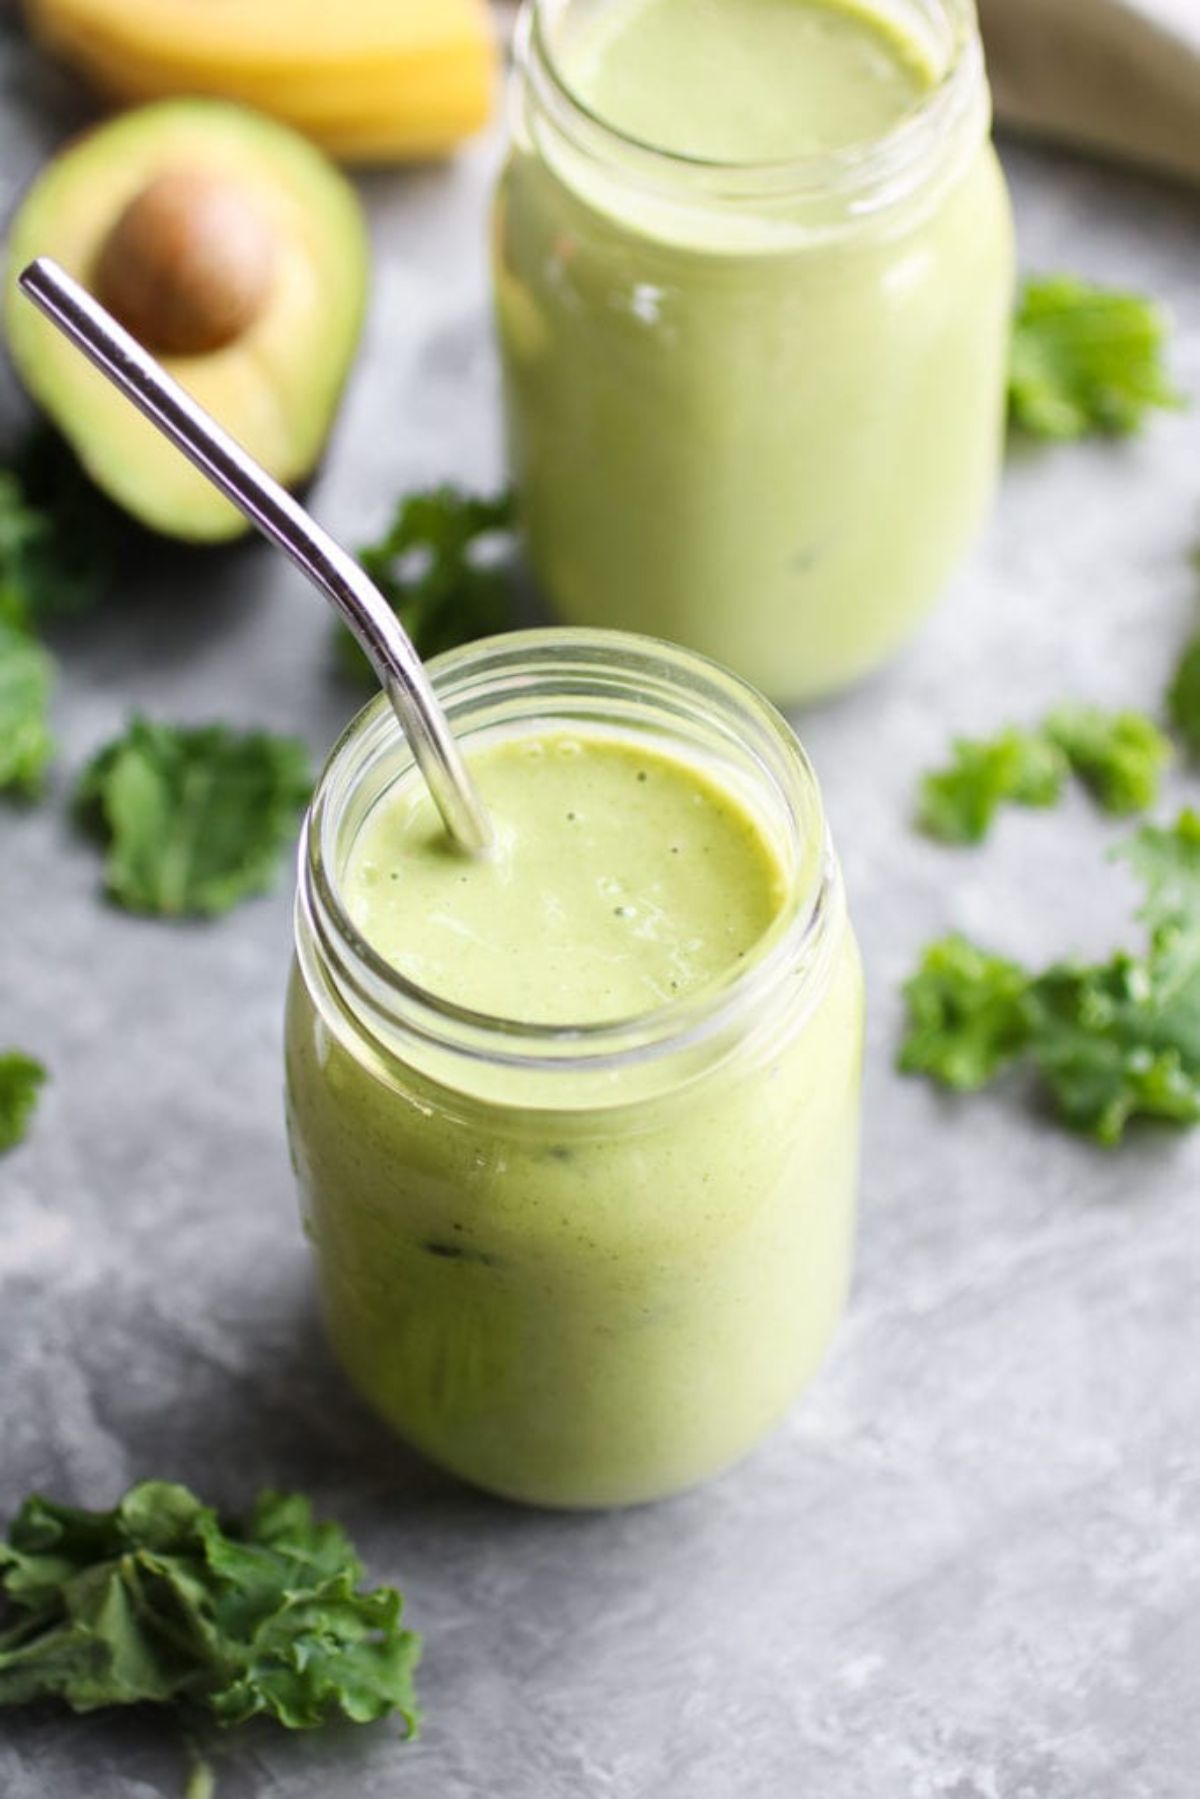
(754, 407)
(581, 1266)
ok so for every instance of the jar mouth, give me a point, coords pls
(550, 676)
(876, 163)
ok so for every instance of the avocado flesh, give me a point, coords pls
(276, 387)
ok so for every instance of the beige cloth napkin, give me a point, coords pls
(1119, 76)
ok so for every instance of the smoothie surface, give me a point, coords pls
(622, 879)
(744, 81)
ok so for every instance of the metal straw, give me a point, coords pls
(281, 518)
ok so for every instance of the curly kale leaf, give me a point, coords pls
(958, 803)
(1183, 698)
(1119, 756)
(1118, 1041)
(1112, 1041)
(967, 1015)
(1085, 360)
(60, 539)
(194, 819)
(442, 567)
(159, 1601)
(26, 682)
(21, 1079)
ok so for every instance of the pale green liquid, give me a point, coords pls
(579, 1294)
(764, 425)
(621, 879)
(743, 80)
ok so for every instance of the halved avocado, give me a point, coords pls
(237, 254)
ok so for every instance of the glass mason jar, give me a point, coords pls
(581, 1266)
(756, 409)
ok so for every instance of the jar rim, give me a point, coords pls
(875, 171)
(572, 660)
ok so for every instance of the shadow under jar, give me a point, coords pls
(581, 1265)
(753, 305)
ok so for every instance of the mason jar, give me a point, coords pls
(581, 1266)
(754, 408)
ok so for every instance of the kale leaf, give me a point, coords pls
(441, 568)
(26, 681)
(1119, 756)
(958, 803)
(20, 1080)
(967, 1015)
(1166, 860)
(1112, 1041)
(193, 819)
(1183, 698)
(1085, 359)
(58, 538)
(159, 1601)
(1118, 1041)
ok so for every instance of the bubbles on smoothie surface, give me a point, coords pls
(745, 81)
(623, 878)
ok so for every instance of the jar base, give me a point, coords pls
(598, 1495)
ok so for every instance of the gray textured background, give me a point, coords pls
(969, 1566)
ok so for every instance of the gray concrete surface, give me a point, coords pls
(969, 1565)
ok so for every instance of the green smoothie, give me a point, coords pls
(620, 880)
(754, 325)
(581, 1302)
(743, 81)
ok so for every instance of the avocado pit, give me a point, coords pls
(188, 265)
